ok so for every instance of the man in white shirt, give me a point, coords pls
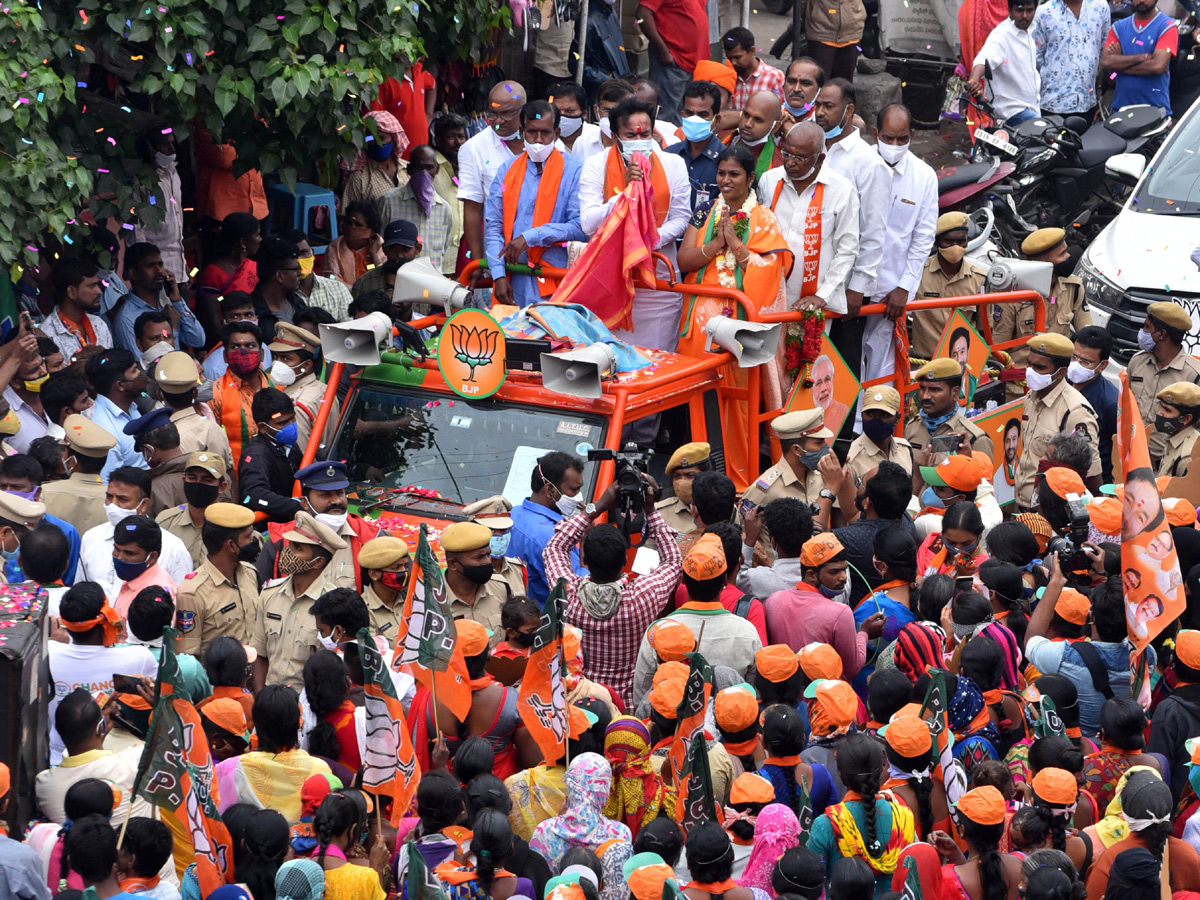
(854, 159)
(655, 313)
(1012, 54)
(482, 155)
(597, 138)
(817, 281)
(912, 213)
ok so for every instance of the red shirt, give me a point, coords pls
(683, 25)
(406, 101)
(1168, 40)
(730, 595)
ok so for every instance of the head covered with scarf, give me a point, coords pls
(968, 714)
(776, 831)
(918, 647)
(582, 822)
(388, 128)
(1113, 827)
(638, 793)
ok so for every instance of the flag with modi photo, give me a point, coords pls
(389, 761)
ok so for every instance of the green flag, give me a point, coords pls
(9, 308)
(694, 804)
(1049, 723)
(912, 881)
(431, 636)
(419, 883)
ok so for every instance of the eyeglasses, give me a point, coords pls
(796, 157)
(1086, 363)
(495, 114)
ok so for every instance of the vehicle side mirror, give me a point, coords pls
(1127, 168)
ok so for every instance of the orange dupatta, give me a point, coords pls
(234, 415)
(614, 183)
(543, 205)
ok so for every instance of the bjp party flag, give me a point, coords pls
(542, 699)
(389, 762)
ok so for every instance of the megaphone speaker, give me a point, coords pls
(1020, 275)
(578, 372)
(419, 282)
(752, 343)
(358, 342)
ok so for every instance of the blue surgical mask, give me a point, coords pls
(498, 545)
(128, 571)
(930, 498)
(644, 146)
(835, 131)
(798, 112)
(967, 550)
(287, 435)
(809, 460)
(831, 593)
(11, 555)
(379, 152)
(696, 128)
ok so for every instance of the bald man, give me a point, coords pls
(757, 127)
(481, 157)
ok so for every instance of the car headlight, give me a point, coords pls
(1097, 288)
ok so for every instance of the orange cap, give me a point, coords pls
(646, 882)
(736, 708)
(983, 805)
(666, 697)
(1073, 606)
(1105, 513)
(1064, 480)
(750, 787)
(1056, 786)
(909, 736)
(820, 549)
(819, 661)
(571, 642)
(706, 559)
(226, 713)
(669, 671)
(5, 781)
(671, 640)
(776, 662)
(961, 471)
(472, 637)
(837, 698)
(1187, 647)
(721, 74)
(1180, 512)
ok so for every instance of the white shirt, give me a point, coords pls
(912, 216)
(1016, 84)
(33, 424)
(859, 162)
(588, 144)
(839, 231)
(478, 160)
(95, 559)
(593, 208)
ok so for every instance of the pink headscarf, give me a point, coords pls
(776, 831)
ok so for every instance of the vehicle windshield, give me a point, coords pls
(464, 450)
(1173, 185)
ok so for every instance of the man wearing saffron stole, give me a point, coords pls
(532, 209)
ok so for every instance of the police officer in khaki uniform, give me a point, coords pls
(1179, 419)
(878, 442)
(1162, 361)
(204, 483)
(474, 589)
(939, 383)
(220, 598)
(386, 566)
(285, 634)
(496, 513)
(1051, 406)
(17, 515)
(178, 378)
(684, 465)
(80, 499)
(946, 274)
(294, 371)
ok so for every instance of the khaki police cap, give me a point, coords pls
(86, 437)
(803, 423)
(1057, 345)
(689, 455)
(1181, 393)
(228, 515)
(462, 537)
(492, 512)
(290, 338)
(1042, 241)
(20, 511)
(177, 373)
(883, 398)
(1170, 314)
(941, 369)
(951, 221)
(307, 530)
(212, 463)
(381, 552)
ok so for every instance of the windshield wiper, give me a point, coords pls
(437, 447)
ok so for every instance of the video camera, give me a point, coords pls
(632, 464)
(1069, 547)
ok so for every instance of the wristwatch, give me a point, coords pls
(590, 510)
(827, 494)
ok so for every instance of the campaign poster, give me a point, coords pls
(966, 346)
(1003, 426)
(830, 385)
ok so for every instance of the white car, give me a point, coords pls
(1145, 253)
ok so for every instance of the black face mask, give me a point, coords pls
(200, 495)
(481, 574)
(521, 639)
(1167, 425)
(1066, 267)
(248, 552)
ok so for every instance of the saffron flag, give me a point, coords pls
(935, 710)
(389, 761)
(427, 641)
(542, 699)
(176, 772)
(617, 255)
(689, 750)
(1154, 596)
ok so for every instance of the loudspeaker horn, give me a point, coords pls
(358, 342)
(1020, 275)
(578, 372)
(419, 282)
(752, 343)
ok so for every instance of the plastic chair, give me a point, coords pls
(312, 209)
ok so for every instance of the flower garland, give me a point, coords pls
(727, 265)
(804, 343)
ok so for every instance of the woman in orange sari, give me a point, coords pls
(735, 242)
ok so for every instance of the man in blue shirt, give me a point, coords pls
(556, 484)
(1093, 345)
(119, 382)
(700, 148)
(22, 475)
(535, 225)
(150, 284)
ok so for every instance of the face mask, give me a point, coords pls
(832, 593)
(248, 552)
(116, 513)
(568, 125)
(836, 130)
(521, 639)
(952, 254)
(282, 374)
(798, 112)
(511, 136)
(35, 386)
(878, 430)
(480, 574)
(696, 128)
(163, 160)
(1145, 340)
(200, 495)
(155, 352)
(807, 175)
(1077, 373)
(967, 550)
(1165, 425)
(606, 128)
(285, 436)
(1037, 381)
(1064, 268)
(290, 563)
(892, 153)
(10, 424)
(683, 490)
(394, 581)
(128, 571)
(243, 362)
(931, 499)
(307, 264)
(567, 505)
(31, 496)
(498, 545)
(379, 152)
(810, 459)
(11, 555)
(328, 642)
(333, 520)
(642, 145)
(762, 140)
(539, 153)
(421, 183)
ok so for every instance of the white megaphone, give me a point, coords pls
(358, 342)
(1020, 275)
(419, 282)
(578, 372)
(752, 343)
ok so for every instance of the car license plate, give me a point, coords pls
(998, 142)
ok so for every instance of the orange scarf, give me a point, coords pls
(543, 205)
(237, 425)
(84, 331)
(811, 255)
(614, 182)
